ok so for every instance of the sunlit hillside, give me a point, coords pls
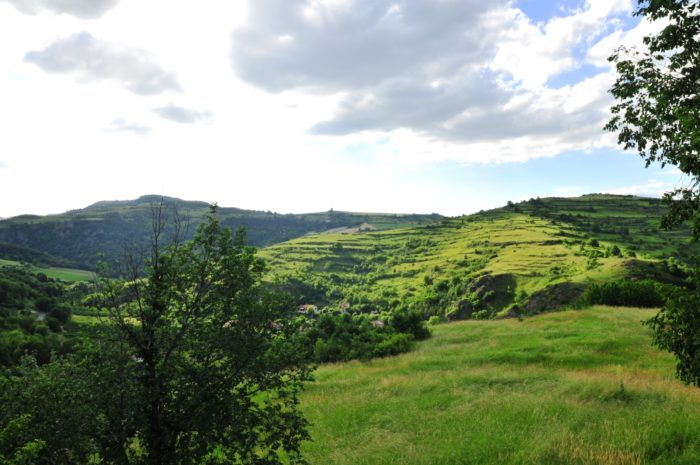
(536, 255)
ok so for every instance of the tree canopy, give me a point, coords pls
(658, 115)
(195, 364)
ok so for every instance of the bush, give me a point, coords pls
(394, 345)
(338, 338)
(647, 294)
(411, 322)
(481, 315)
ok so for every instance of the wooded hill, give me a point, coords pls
(75, 238)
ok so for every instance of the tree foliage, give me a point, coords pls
(677, 329)
(24, 296)
(194, 364)
(658, 106)
(658, 115)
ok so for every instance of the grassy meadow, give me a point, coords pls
(572, 387)
(70, 275)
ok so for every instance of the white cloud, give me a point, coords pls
(470, 74)
(121, 125)
(182, 115)
(599, 52)
(653, 188)
(340, 103)
(85, 9)
(90, 59)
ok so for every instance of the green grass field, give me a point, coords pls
(70, 275)
(4, 262)
(574, 387)
(65, 274)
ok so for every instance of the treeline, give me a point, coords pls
(628, 293)
(343, 337)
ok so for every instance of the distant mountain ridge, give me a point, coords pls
(107, 227)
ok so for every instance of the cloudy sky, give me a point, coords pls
(445, 106)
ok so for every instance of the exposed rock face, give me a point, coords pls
(550, 298)
(464, 311)
(487, 292)
(488, 285)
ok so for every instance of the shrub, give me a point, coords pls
(394, 345)
(411, 322)
(648, 294)
(481, 315)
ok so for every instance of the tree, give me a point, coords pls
(216, 376)
(658, 114)
(676, 328)
(196, 364)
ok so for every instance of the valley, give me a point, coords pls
(474, 339)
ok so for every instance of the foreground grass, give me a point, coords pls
(576, 387)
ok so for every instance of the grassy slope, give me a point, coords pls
(66, 274)
(545, 390)
(536, 244)
(63, 274)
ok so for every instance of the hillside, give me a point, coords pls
(523, 258)
(578, 387)
(108, 227)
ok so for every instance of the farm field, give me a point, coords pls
(573, 387)
(64, 274)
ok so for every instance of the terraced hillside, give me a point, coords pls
(525, 257)
(631, 222)
(105, 228)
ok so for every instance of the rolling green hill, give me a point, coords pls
(106, 228)
(523, 258)
(576, 387)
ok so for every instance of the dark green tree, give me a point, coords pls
(216, 376)
(658, 114)
(195, 364)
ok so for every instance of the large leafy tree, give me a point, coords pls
(658, 114)
(195, 364)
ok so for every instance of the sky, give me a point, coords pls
(406, 106)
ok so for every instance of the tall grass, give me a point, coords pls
(576, 387)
